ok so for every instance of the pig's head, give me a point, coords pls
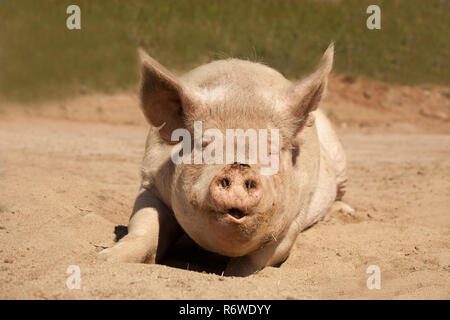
(232, 207)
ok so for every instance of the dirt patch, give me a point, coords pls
(69, 175)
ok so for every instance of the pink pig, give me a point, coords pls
(232, 209)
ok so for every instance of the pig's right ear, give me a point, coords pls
(304, 97)
(163, 99)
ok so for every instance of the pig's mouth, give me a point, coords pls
(235, 213)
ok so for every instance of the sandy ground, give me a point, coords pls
(69, 172)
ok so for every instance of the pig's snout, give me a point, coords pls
(236, 190)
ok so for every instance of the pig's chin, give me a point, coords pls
(231, 233)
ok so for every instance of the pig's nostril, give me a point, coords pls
(225, 183)
(250, 184)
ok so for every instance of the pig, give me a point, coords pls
(231, 208)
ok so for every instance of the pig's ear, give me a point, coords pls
(163, 99)
(304, 96)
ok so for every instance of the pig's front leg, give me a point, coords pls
(272, 254)
(151, 230)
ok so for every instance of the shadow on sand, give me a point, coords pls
(186, 254)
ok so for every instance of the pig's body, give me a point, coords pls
(175, 198)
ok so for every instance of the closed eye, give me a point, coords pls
(203, 145)
(295, 153)
(206, 141)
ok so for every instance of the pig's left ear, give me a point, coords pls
(303, 97)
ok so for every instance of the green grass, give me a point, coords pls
(41, 59)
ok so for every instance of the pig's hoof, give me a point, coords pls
(342, 207)
(110, 255)
(123, 252)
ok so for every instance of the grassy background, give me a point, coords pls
(41, 59)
